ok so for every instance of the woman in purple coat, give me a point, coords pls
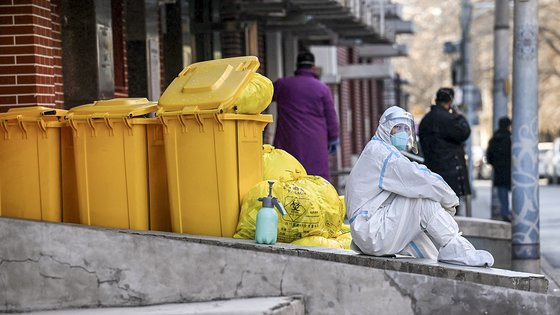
(307, 125)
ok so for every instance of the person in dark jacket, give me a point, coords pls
(442, 134)
(498, 155)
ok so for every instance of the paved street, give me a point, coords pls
(549, 220)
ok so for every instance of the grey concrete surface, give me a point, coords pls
(491, 235)
(549, 225)
(484, 228)
(553, 276)
(500, 249)
(49, 266)
(254, 306)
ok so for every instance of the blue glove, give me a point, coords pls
(333, 144)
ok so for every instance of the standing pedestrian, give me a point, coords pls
(498, 155)
(443, 132)
(307, 125)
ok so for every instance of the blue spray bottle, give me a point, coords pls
(267, 218)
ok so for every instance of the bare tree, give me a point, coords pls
(427, 68)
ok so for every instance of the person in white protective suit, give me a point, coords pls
(393, 204)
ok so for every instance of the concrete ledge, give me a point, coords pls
(490, 276)
(255, 306)
(484, 228)
(45, 266)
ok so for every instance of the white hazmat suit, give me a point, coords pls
(393, 204)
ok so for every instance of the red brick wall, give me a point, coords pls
(262, 47)
(162, 84)
(57, 53)
(374, 112)
(366, 109)
(30, 53)
(344, 112)
(333, 158)
(356, 105)
(118, 17)
(379, 106)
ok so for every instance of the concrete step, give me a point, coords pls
(53, 266)
(292, 305)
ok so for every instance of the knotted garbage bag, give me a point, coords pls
(256, 96)
(278, 164)
(312, 205)
(319, 241)
(345, 238)
(342, 241)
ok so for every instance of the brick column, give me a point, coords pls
(232, 36)
(30, 54)
(120, 59)
(57, 53)
(366, 109)
(334, 160)
(374, 107)
(380, 96)
(344, 113)
(356, 105)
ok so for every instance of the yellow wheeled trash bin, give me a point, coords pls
(113, 148)
(214, 156)
(30, 165)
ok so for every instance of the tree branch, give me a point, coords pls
(551, 44)
(550, 31)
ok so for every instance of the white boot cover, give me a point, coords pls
(460, 251)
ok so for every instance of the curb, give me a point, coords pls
(553, 276)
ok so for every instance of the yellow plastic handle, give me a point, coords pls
(101, 115)
(197, 111)
(190, 111)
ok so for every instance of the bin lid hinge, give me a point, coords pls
(128, 123)
(22, 126)
(4, 125)
(72, 123)
(183, 121)
(43, 126)
(91, 124)
(220, 122)
(164, 123)
(200, 121)
(109, 124)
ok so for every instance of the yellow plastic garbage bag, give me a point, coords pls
(256, 96)
(334, 216)
(344, 240)
(345, 228)
(319, 241)
(278, 163)
(310, 209)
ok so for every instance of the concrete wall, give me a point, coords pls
(57, 266)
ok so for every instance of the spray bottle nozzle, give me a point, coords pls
(271, 202)
(270, 183)
(279, 206)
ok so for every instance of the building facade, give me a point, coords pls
(64, 53)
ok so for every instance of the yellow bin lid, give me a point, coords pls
(33, 113)
(114, 108)
(209, 84)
